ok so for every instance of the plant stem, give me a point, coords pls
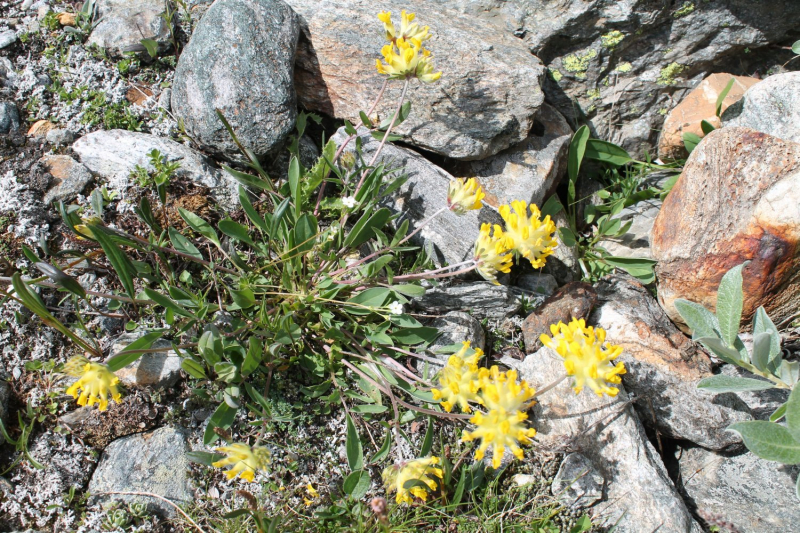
(551, 385)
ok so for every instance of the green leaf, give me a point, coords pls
(413, 291)
(415, 335)
(227, 372)
(294, 185)
(720, 384)
(357, 484)
(761, 324)
(607, 152)
(248, 180)
(372, 297)
(793, 410)
(204, 458)
(462, 483)
(729, 304)
(305, 232)
(363, 230)
(369, 409)
(700, 320)
(769, 441)
(706, 126)
(796, 50)
(583, 524)
(255, 353)
(779, 413)
(61, 278)
(552, 207)
(365, 119)
(222, 418)
(210, 346)
(577, 149)
(243, 298)
(427, 441)
(761, 344)
(123, 358)
(567, 237)
(151, 46)
(381, 454)
(122, 265)
(167, 303)
(722, 95)
(690, 141)
(252, 214)
(355, 452)
(200, 226)
(640, 268)
(182, 244)
(721, 349)
(237, 231)
(193, 368)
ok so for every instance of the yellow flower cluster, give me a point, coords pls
(531, 237)
(243, 460)
(95, 381)
(504, 399)
(463, 196)
(585, 357)
(422, 471)
(404, 57)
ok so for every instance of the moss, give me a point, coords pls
(668, 73)
(663, 111)
(685, 9)
(578, 63)
(555, 74)
(612, 39)
(624, 67)
(593, 94)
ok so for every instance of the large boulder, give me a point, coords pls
(239, 60)
(772, 107)
(736, 200)
(699, 105)
(114, 154)
(123, 24)
(486, 100)
(623, 64)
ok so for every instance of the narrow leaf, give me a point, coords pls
(769, 441)
(118, 259)
(355, 452)
(200, 226)
(700, 320)
(723, 94)
(720, 384)
(607, 152)
(61, 278)
(729, 304)
(793, 410)
(577, 149)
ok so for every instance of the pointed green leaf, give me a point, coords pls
(118, 259)
(294, 185)
(237, 231)
(730, 299)
(123, 358)
(182, 244)
(690, 141)
(720, 384)
(357, 484)
(700, 320)
(793, 410)
(355, 452)
(761, 343)
(720, 349)
(706, 126)
(762, 323)
(427, 441)
(722, 95)
(607, 152)
(381, 454)
(769, 441)
(61, 278)
(200, 226)
(222, 418)
(577, 149)
(167, 303)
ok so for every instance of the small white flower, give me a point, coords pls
(396, 308)
(349, 202)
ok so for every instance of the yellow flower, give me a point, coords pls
(408, 60)
(459, 380)
(312, 492)
(95, 381)
(491, 253)
(464, 196)
(530, 237)
(407, 29)
(243, 459)
(506, 401)
(585, 357)
(421, 470)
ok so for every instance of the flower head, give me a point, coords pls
(420, 470)
(530, 237)
(95, 381)
(585, 357)
(313, 494)
(243, 460)
(349, 202)
(407, 60)
(491, 253)
(464, 196)
(396, 308)
(458, 380)
(408, 28)
(506, 401)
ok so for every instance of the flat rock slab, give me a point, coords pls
(123, 24)
(638, 495)
(239, 60)
(663, 368)
(752, 494)
(772, 107)
(114, 154)
(735, 201)
(154, 462)
(448, 238)
(154, 369)
(481, 300)
(486, 100)
(573, 300)
(70, 177)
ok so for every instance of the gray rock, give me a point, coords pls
(486, 100)
(164, 99)
(624, 64)
(538, 284)
(239, 60)
(663, 368)
(577, 482)
(771, 106)
(70, 177)
(639, 496)
(528, 171)
(5, 398)
(448, 238)
(59, 137)
(454, 327)
(154, 462)
(752, 494)
(7, 38)
(114, 155)
(154, 369)
(9, 117)
(481, 299)
(761, 403)
(123, 24)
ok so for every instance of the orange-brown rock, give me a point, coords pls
(67, 19)
(40, 128)
(138, 94)
(737, 200)
(573, 300)
(699, 105)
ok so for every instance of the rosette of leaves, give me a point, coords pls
(719, 333)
